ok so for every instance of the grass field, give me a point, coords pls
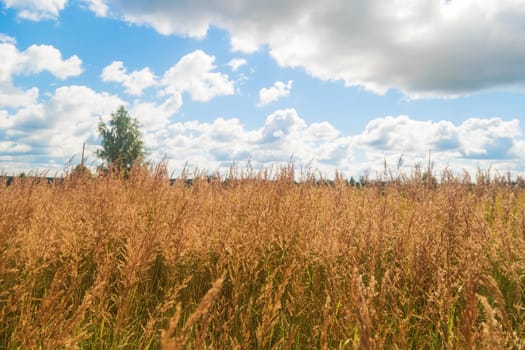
(261, 262)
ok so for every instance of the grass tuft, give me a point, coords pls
(258, 261)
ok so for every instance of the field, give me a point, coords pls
(258, 261)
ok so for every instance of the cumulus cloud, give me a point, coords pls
(56, 127)
(135, 82)
(36, 10)
(12, 147)
(479, 139)
(154, 116)
(236, 63)
(489, 138)
(71, 117)
(280, 124)
(38, 129)
(423, 48)
(398, 133)
(4, 38)
(12, 97)
(194, 74)
(284, 134)
(99, 7)
(36, 59)
(84, 101)
(275, 92)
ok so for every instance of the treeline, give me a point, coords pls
(84, 173)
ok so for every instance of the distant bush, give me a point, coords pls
(81, 171)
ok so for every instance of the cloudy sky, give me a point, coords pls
(335, 84)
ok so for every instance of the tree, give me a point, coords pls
(122, 144)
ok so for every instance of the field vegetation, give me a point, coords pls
(254, 260)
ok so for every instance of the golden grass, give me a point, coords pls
(260, 263)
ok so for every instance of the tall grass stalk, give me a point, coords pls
(258, 261)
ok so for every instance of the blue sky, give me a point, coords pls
(337, 85)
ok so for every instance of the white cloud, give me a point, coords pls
(194, 73)
(398, 133)
(36, 59)
(36, 10)
(280, 124)
(485, 141)
(236, 63)
(275, 92)
(4, 38)
(323, 131)
(152, 116)
(10, 57)
(57, 127)
(99, 7)
(24, 102)
(45, 57)
(72, 116)
(82, 102)
(284, 134)
(489, 138)
(12, 97)
(135, 82)
(12, 147)
(423, 48)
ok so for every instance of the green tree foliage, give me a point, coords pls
(122, 144)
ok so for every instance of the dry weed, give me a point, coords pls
(107, 263)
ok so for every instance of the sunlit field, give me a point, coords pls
(260, 261)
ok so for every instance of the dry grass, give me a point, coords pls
(254, 263)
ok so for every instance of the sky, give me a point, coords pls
(335, 85)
